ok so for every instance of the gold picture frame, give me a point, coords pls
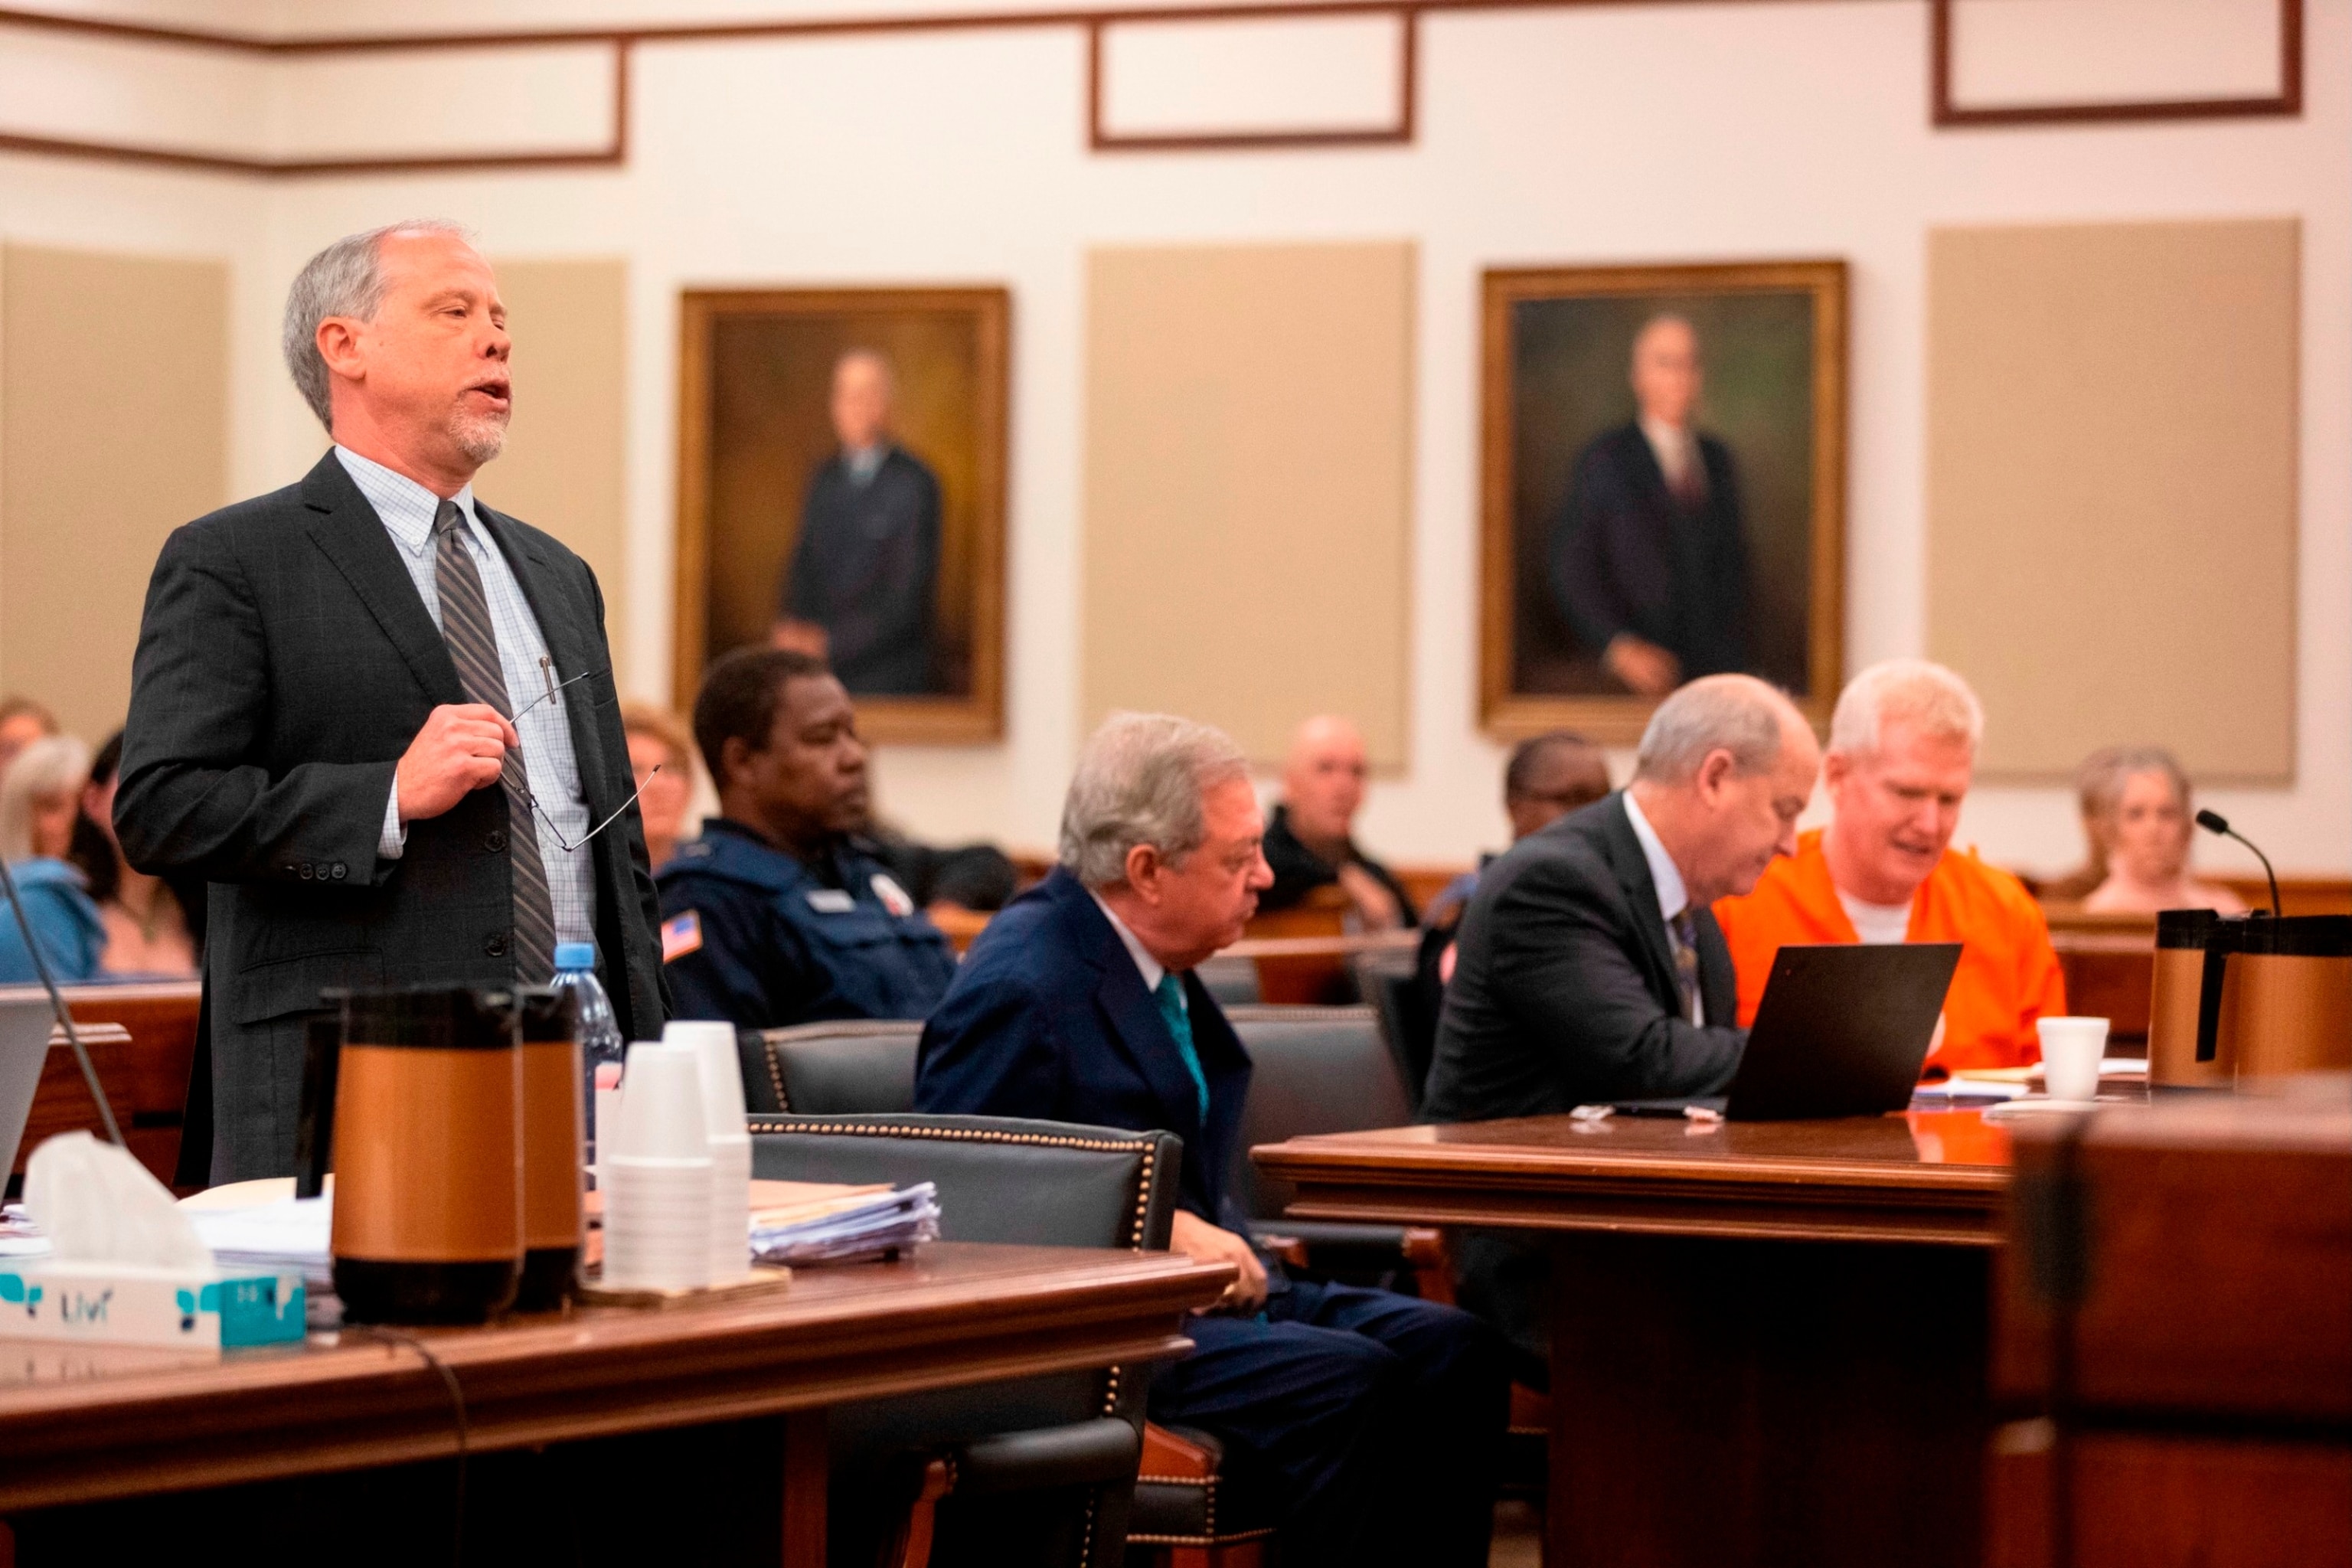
(1555, 348)
(755, 375)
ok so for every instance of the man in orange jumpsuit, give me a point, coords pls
(1902, 749)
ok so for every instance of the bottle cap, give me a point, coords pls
(575, 955)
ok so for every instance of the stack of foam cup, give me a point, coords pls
(713, 1045)
(658, 1202)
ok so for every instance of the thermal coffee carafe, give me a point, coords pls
(427, 1150)
(553, 1218)
(2239, 999)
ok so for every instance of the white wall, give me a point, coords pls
(1597, 133)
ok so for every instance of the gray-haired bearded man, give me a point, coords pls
(377, 716)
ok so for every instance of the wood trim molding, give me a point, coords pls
(1402, 132)
(612, 154)
(622, 40)
(1946, 115)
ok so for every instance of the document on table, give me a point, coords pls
(292, 1235)
(853, 1225)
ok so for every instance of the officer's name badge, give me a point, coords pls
(830, 901)
(894, 896)
(681, 935)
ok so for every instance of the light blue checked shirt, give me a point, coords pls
(406, 509)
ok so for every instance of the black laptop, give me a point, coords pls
(1842, 1031)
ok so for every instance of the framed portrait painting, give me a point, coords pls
(1663, 489)
(841, 491)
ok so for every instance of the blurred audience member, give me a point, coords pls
(22, 722)
(1310, 843)
(39, 797)
(1548, 776)
(2076, 884)
(660, 739)
(2139, 799)
(1902, 749)
(154, 927)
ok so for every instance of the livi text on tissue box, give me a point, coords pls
(126, 1265)
(124, 1303)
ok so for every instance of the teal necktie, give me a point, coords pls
(1170, 997)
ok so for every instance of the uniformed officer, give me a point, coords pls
(776, 915)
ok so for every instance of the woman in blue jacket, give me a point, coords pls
(39, 797)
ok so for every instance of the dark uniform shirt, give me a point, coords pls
(763, 939)
(1298, 870)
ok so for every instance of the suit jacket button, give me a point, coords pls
(309, 872)
(494, 840)
(495, 944)
(338, 871)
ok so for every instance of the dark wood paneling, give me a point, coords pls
(1731, 1404)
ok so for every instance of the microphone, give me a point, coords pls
(57, 1006)
(2214, 821)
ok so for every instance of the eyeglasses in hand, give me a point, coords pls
(557, 833)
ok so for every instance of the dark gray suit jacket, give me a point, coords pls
(866, 569)
(1563, 991)
(285, 662)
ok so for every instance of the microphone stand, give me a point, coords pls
(57, 1002)
(2214, 821)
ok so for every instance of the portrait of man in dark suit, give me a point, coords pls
(842, 495)
(1662, 497)
(860, 589)
(1648, 556)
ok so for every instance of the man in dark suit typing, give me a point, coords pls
(1367, 1423)
(376, 715)
(1589, 968)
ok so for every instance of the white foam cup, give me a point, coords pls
(661, 1105)
(2071, 1052)
(713, 1045)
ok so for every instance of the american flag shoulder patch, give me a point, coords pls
(681, 934)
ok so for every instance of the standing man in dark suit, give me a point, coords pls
(1649, 555)
(861, 590)
(1367, 1423)
(377, 716)
(1589, 967)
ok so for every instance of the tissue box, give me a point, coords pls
(118, 1303)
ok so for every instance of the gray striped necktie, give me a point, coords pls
(1685, 945)
(474, 644)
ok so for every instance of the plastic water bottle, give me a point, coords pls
(601, 1046)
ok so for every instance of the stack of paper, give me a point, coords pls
(290, 1236)
(816, 1224)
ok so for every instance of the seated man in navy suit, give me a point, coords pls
(1368, 1423)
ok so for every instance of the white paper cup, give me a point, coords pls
(658, 1223)
(713, 1045)
(661, 1105)
(2071, 1052)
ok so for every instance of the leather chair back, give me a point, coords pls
(1318, 1069)
(1008, 1181)
(849, 1067)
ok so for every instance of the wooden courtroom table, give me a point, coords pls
(81, 1424)
(1769, 1339)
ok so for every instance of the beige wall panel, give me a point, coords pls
(1248, 485)
(113, 431)
(2112, 468)
(562, 470)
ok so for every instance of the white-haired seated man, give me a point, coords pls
(1366, 1424)
(1902, 747)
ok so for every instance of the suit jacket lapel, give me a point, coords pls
(1133, 1015)
(1632, 870)
(348, 531)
